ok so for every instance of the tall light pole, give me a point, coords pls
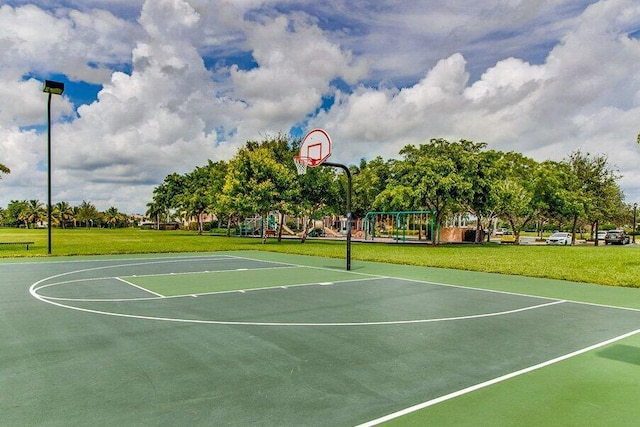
(635, 207)
(52, 88)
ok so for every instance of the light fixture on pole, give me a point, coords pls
(52, 88)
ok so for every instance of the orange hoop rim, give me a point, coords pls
(302, 163)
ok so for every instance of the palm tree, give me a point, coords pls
(87, 213)
(63, 213)
(76, 212)
(112, 216)
(154, 210)
(4, 169)
(33, 212)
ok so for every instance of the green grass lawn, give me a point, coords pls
(606, 265)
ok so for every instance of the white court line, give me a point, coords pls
(93, 299)
(47, 285)
(135, 264)
(139, 287)
(33, 290)
(38, 285)
(472, 288)
(495, 291)
(276, 287)
(231, 291)
(381, 276)
(223, 257)
(283, 266)
(493, 381)
(213, 271)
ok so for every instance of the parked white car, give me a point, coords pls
(559, 239)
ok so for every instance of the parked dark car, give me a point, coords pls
(616, 237)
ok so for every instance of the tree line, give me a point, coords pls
(446, 177)
(32, 213)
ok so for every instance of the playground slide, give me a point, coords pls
(288, 230)
(327, 231)
(331, 232)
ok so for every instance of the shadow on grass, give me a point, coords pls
(622, 353)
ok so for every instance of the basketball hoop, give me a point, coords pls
(314, 150)
(301, 163)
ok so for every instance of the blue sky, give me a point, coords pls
(155, 87)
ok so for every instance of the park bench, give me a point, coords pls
(18, 243)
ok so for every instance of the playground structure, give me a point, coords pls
(381, 226)
(396, 224)
(253, 227)
(401, 226)
(320, 229)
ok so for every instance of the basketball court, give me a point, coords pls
(240, 338)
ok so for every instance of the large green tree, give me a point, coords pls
(167, 195)
(283, 150)
(320, 193)
(597, 181)
(193, 200)
(518, 199)
(370, 179)
(559, 194)
(394, 198)
(484, 201)
(439, 175)
(217, 172)
(13, 213)
(87, 213)
(199, 191)
(256, 183)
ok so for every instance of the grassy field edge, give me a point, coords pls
(604, 265)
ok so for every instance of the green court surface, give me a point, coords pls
(253, 338)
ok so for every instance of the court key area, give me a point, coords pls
(247, 338)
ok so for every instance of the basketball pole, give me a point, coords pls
(348, 172)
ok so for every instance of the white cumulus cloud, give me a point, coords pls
(183, 81)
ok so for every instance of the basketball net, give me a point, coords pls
(301, 164)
